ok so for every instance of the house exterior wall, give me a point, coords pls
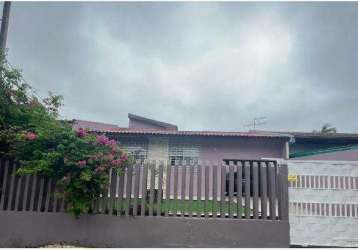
(138, 124)
(158, 148)
(217, 149)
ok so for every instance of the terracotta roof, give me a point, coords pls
(190, 133)
(91, 125)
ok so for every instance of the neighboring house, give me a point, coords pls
(321, 146)
(306, 143)
(154, 140)
(344, 153)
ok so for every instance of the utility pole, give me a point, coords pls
(4, 25)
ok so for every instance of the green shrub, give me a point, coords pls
(31, 133)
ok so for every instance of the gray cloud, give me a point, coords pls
(210, 66)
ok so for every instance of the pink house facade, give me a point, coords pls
(149, 139)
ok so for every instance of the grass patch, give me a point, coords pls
(172, 206)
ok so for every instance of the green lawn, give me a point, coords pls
(178, 206)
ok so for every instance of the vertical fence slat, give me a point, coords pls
(283, 175)
(191, 189)
(279, 192)
(183, 189)
(160, 189)
(136, 189)
(272, 188)
(206, 204)
(113, 191)
(263, 189)
(239, 190)
(199, 179)
(100, 202)
(215, 189)
(48, 195)
(152, 184)
(18, 192)
(4, 184)
(255, 191)
(107, 195)
(247, 190)
(12, 184)
(231, 189)
(167, 189)
(144, 189)
(128, 189)
(26, 193)
(222, 190)
(176, 181)
(120, 193)
(33, 192)
(56, 199)
(39, 203)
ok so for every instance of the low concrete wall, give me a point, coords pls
(31, 229)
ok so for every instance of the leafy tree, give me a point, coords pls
(31, 133)
(326, 129)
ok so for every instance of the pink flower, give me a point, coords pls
(113, 149)
(81, 132)
(102, 139)
(81, 164)
(30, 136)
(124, 157)
(116, 162)
(112, 143)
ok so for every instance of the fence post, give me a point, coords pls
(283, 175)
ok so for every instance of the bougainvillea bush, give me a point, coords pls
(31, 133)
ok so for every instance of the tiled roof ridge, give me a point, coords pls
(193, 133)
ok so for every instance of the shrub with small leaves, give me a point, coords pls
(30, 132)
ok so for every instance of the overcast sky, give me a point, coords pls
(202, 66)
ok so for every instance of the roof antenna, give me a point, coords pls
(257, 121)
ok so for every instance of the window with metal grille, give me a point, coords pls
(179, 152)
(136, 147)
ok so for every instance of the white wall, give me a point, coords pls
(324, 203)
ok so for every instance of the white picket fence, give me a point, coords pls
(323, 203)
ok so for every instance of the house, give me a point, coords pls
(321, 146)
(149, 139)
